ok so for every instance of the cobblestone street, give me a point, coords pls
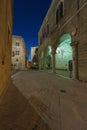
(43, 65)
(43, 100)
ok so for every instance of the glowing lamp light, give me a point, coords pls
(58, 50)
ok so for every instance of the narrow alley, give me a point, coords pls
(55, 103)
(43, 65)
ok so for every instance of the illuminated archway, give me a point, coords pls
(48, 57)
(63, 56)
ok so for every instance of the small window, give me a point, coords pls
(61, 10)
(17, 43)
(57, 16)
(47, 29)
(43, 32)
(41, 40)
(78, 2)
(13, 54)
(15, 65)
(17, 52)
(17, 60)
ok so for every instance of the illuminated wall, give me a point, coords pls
(19, 53)
(63, 52)
(6, 22)
(48, 57)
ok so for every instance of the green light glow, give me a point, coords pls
(63, 52)
(48, 57)
(65, 37)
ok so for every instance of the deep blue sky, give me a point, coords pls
(28, 17)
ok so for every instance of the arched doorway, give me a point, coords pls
(64, 56)
(48, 58)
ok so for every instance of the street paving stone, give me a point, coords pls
(42, 101)
(17, 114)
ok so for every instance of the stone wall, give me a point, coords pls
(74, 22)
(82, 46)
(6, 19)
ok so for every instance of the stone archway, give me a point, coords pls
(64, 56)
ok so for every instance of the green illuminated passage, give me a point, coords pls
(48, 57)
(63, 53)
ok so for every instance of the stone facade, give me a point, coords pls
(6, 20)
(65, 18)
(34, 56)
(19, 53)
(28, 64)
(33, 51)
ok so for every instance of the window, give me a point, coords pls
(17, 43)
(57, 16)
(78, 4)
(43, 32)
(13, 54)
(15, 65)
(41, 40)
(47, 29)
(61, 10)
(17, 60)
(17, 52)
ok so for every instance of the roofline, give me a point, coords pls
(46, 15)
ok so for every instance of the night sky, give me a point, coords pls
(28, 17)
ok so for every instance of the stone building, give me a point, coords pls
(19, 53)
(63, 39)
(33, 51)
(6, 20)
(34, 57)
(29, 64)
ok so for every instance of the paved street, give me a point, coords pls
(40, 101)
